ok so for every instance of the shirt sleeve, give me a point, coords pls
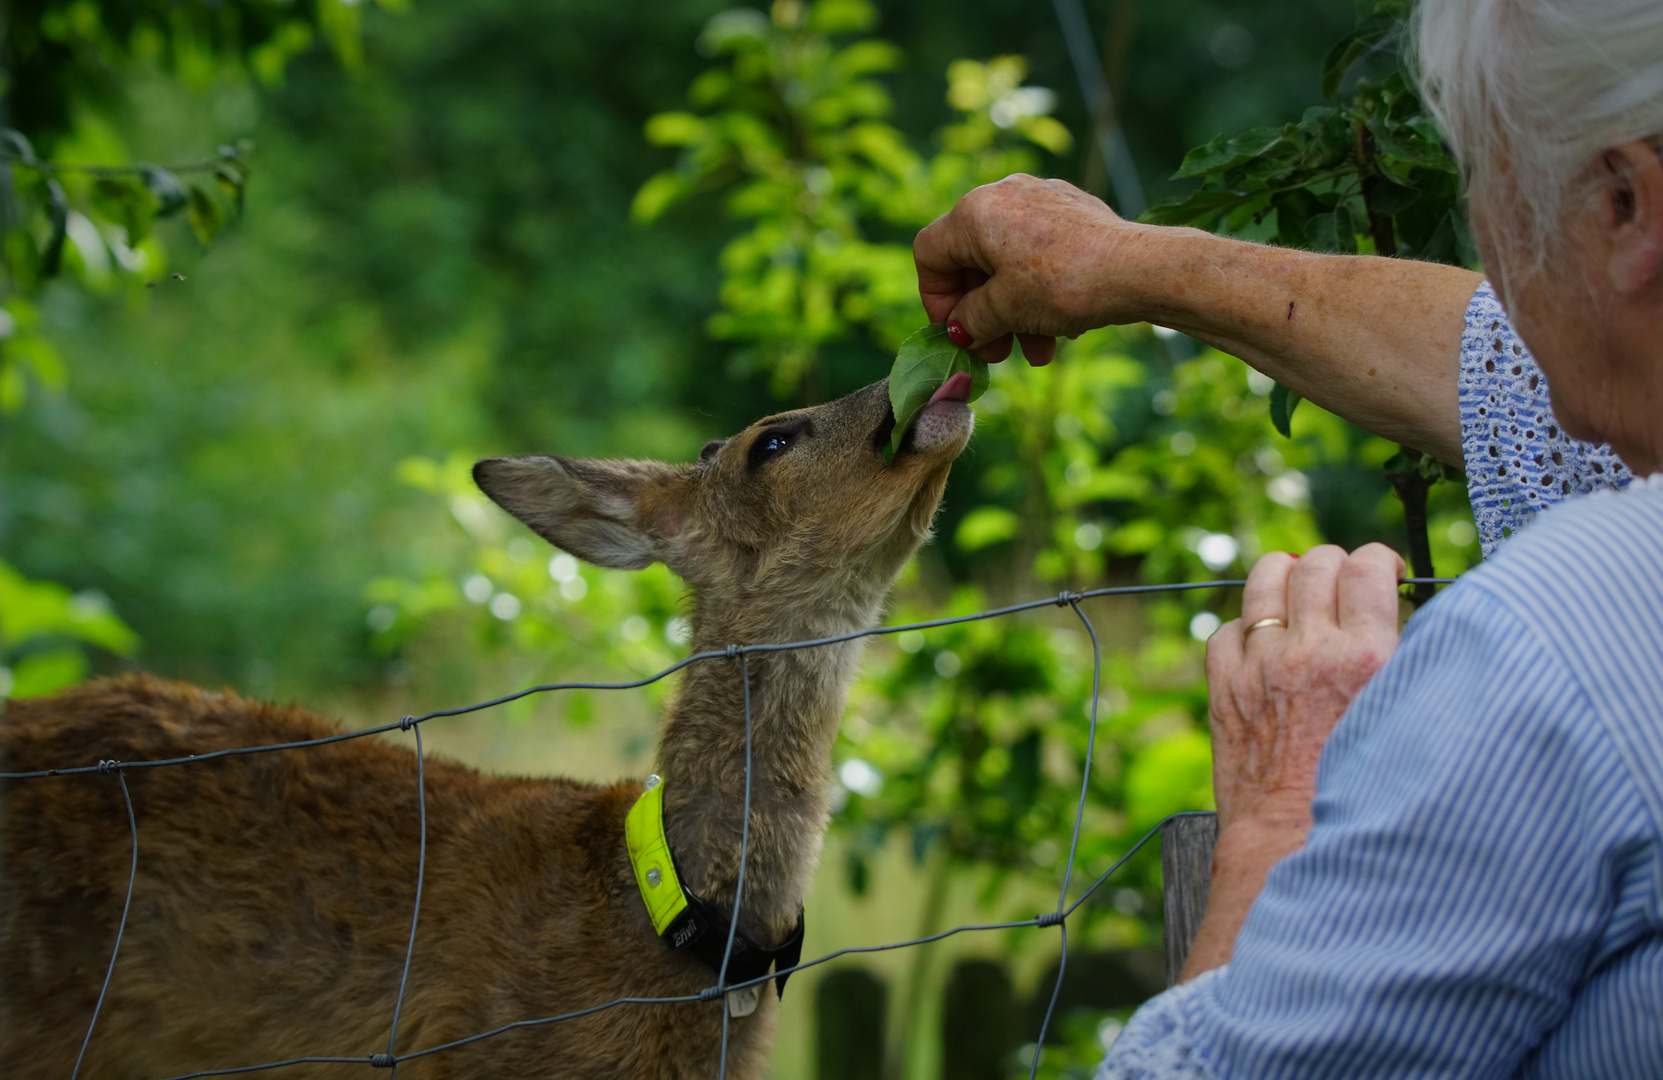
(1453, 892)
(1157, 1044)
(1518, 461)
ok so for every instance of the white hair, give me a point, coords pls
(1530, 92)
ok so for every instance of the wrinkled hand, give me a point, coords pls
(1037, 258)
(1275, 697)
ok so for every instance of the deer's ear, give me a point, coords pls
(611, 513)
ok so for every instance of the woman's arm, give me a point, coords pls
(1481, 882)
(1325, 624)
(1375, 340)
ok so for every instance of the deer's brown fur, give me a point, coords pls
(274, 890)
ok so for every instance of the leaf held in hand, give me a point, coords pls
(926, 360)
(1282, 404)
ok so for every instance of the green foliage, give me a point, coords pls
(87, 202)
(95, 219)
(1367, 175)
(1085, 1036)
(89, 209)
(63, 57)
(791, 125)
(1282, 404)
(978, 731)
(43, 629)
(514, 596)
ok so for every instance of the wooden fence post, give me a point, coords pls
(1186, 872)
(850, 1004)
(977, 1029)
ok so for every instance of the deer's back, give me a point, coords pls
(272, 905)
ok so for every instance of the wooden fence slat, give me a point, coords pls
(850, 1006)
(1186, 872)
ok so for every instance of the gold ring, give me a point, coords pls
(1262, 623)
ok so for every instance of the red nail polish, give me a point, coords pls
(958, 336)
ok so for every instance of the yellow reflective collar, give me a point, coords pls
(683, 920)
(649, 855)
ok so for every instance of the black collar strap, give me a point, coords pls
(681, 918)
(703, 930)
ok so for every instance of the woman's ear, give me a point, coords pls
(611, 513)
(1631, 216)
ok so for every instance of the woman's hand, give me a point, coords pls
(1374, 340)
(1025, 256)
(1274, 695)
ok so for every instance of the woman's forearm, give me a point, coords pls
(1376, 341)
(1241, 861)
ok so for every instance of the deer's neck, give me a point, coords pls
(796, 702)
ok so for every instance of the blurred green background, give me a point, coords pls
(234, 441)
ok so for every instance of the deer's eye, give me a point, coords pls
(771, 444)
(777, 440)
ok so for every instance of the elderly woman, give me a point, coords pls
(1448, 863)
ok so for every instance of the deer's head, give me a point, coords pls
(797, 513)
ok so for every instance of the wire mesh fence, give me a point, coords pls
(715, 994)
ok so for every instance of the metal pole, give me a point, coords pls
(1094, 88)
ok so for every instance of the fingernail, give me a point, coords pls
(958, 336)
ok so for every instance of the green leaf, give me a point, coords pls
(34, 611)
(1332, 232)
(658, 194)
(1294, 211)
(1346, 51)
(233, 183)
(47, 672)
(1282, 404)
(1386, 197)
(675, 129)
(14, 144)
(204, 214)
(1221, 153)
(127, 203)
(925, 361)
(57, 214)
(984, 527)
(1171, 774)
(842, 16)
(170, 192)
(1201, 209)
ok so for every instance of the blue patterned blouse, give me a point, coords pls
(1518, 462)
(1481, 895)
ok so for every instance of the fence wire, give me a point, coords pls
(717, 993)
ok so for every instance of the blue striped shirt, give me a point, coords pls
(1481, 894)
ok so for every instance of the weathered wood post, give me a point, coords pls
(1186, 872)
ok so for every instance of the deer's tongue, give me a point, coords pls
(956, 388)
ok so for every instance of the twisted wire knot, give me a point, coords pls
(406, 723)
(383, 1061)
(734, 650)
(1065, 598)
(710, 993)
(108, 766)
(1050, 918)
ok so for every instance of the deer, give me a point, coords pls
(272, 903)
